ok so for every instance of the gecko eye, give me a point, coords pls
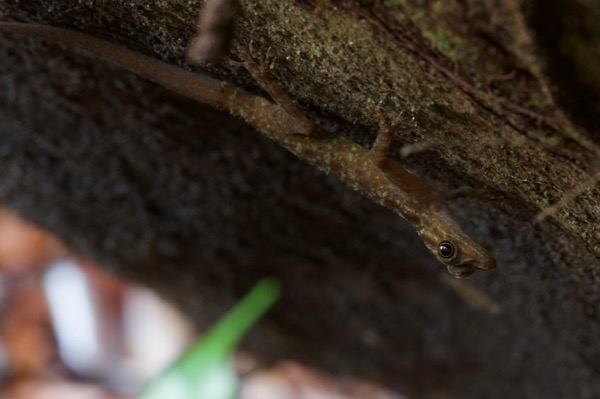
(446, 249)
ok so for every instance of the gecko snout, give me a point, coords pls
(484, 261)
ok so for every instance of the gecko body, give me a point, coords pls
(383, 180)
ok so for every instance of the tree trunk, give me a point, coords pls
(500, 100)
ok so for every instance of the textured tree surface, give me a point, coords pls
(500, 100)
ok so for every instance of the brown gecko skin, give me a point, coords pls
(383, 180)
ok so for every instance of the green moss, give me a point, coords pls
(439, 39)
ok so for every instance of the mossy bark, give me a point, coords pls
(198, 206)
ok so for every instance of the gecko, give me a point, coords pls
(369, 171)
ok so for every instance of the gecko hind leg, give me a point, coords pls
(381, 146)
(260, 71)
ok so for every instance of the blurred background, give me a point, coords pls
(69, 331)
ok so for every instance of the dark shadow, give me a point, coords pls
(558, 25)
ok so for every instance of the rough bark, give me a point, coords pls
(501, 99)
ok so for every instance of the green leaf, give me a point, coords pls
(204, 371)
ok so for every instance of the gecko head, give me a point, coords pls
(462, 255)
(458, 251)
